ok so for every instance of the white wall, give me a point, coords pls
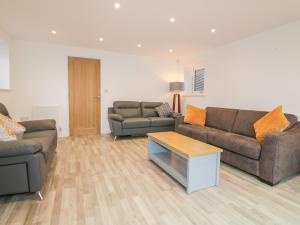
(4, 64)
(5, 94)
(259, 72)
(40, 78)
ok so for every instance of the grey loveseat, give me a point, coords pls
(277, 157)
(137, 118)
(24, 163)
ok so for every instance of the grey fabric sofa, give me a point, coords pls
(24, 163)
(137, 118)
(272, 160)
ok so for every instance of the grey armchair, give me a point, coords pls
(137, 118)
(24, 163)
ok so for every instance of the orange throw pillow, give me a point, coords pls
(195, 115)
(274, 121)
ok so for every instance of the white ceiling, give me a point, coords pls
(82, 22)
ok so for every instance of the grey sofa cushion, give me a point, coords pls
(246, 118)
(128, 109)
(148, 108)
(245, 146)
(220, 118)
(244, 122)
(47, 138)
(193, 131)
(3, 110)
(160, 121)
(135, 122)
(39, 125)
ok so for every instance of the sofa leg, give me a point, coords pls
(39, 194)
(115, 138)
(268, 182)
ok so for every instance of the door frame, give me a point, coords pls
(69, 90)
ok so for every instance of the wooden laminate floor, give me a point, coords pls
(97, 181)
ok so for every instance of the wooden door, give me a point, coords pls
(84, 96)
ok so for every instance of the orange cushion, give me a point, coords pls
(195, 115)
(274, 121)
(6, 134)
(16, 127)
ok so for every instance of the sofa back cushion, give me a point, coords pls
(128, 109)
(3, 110)
(245, 120)
(220, 118)
(148, 108)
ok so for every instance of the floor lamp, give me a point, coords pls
(176, 88)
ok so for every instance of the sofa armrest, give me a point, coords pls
(115, 127)
(17, 148)
(175, 115)
(280, 155)
(179, 120)
(116, 117)
(39, 125)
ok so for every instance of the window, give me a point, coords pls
(198, 81)
(4, 65)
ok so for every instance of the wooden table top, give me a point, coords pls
(186, 146)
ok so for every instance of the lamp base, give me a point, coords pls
(178, 102)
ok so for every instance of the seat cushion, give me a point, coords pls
(148, 108)
(241, 162)
(161, 121)
(220, 118)
(47, 138)
(194, 131)
(212, 133)
(136, 122)
(243, 145)
(128, 109)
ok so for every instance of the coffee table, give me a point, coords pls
(192, 163)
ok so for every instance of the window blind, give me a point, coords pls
(198, 81)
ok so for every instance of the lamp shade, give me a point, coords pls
(177, 86)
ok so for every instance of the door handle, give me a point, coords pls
(97, 97)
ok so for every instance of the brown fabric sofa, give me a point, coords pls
(277, 157)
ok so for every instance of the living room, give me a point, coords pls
(248, 55)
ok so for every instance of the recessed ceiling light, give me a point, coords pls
(213, 30)
(171, 50)
(53, 31)
(172, 20)
(117, 5)
(101, 39)
(139, 45)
